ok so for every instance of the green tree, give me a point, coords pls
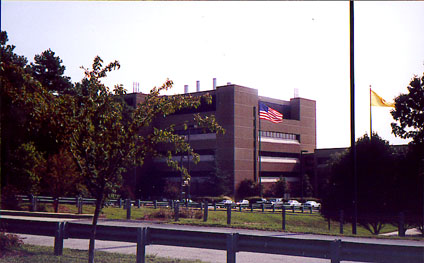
(15, 117)
(280, 188)
(408, 113)
(376, 184)
(307, 186)
(103, 143)
(219, 183)
(18, 126)
(60, 176)
(92, 126)
(248, 188)
(49, 71)
(409, 124)
(26, 166)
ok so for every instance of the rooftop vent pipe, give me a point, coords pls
(214, 83)
(197, 86)
(185, 89)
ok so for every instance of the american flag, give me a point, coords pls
(269, 114)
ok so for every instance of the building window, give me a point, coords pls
(280, 135)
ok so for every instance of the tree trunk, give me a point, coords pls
(99, 201)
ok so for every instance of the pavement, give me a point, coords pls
(413, 232)
(206, 255)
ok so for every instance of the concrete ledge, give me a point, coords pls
(45, 214)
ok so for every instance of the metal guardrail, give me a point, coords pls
(79, 202)
(336, 250)
(53, 229)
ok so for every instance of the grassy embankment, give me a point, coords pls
(30, 254)
(295, 222)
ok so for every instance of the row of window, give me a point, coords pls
(280, 135)
(192, 131)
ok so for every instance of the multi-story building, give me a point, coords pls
(251, 148)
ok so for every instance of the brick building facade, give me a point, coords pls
(238, 151)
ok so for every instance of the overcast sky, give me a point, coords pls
(274, 47)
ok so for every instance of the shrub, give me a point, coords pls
(8, 198)
(191, 213)
(162, 213)
(167, 214)
(8, 242)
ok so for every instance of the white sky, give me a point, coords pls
(274, 47)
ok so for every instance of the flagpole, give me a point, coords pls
(255, 143)
(352, 117)
(260, 161)
(370, 116)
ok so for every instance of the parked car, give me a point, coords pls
(243, 202)
(312, 204)
(225, 202)
(294, 203)
(275, 201)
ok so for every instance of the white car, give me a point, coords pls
(312, 204)
(276, 201)
(225, 202)
(294, 203)
(243, 202)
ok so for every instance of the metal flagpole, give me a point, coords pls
(352, 119)
(255, 156)
(259, 157)
(370, 116)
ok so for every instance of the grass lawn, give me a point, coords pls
(295, 222)
(31, 254)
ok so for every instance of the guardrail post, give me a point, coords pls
(335, 248)
(310, 209)
(263, 207)
(205, 212)
(401, 228)
(201, 206)
(293, 208)
(155, 204)
(228, 214)
(283, 211)
(141, 244)
(35, 203)
(128, 206)
(232, 239)
(58, 239)
(273, 208)
(56, 204)
(120, 202)
(176, 211)
(138, 203)
(251, 207)
(341, 221)
(303, 209)
(31, 203)
(80, 204)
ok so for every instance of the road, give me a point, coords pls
(206, 255)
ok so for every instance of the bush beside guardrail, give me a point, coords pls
(335, 250)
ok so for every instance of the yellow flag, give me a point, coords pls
(379, 101)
